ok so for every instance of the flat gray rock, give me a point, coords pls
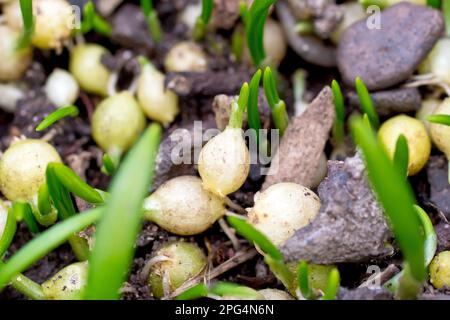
(350, 226)
(390, 55)
(439, 187)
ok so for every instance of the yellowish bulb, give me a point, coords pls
(86, 66)
(224, 162)
(158, 103)
(283, 209)
(22, 168)
(428, 107)
(186, 56)
(67, 284)
(175, 263)
(117, 123)
(54, 21)
(182, 206)
(440, 270)
(275, 294)
(13, 62)
(419, 144)
(441, 133)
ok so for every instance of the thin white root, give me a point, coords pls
(166, 283)
(112, 84)
(429, 81)
(143, 275)
(234, 206)
(230, 234)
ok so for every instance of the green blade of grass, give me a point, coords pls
(249, 232)
(439, 119)
(7, 234)
(333, 284)
(92, 21)
(395, 195)
(23, 210)
(73, 183)
(26, 286)
(401, 155)
(255, 21)
(234, 290)
(254, 119)
(282, 272)
(339, 123)
(366, 103)
(238, 108)
(430, 235)
(277, 106)
(196, 292)
(26, 7)
(68, 111)
(202, 21)
(303, 280)
(117, 231)
(153, 22)
(45, 243)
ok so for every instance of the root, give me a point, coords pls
(428, 80)
(234, 206)
(239, 258)
(145, 272)
(230, 234)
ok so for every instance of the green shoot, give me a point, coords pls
(68, 111)
(254, 120)
(255, 22)
(74, 184)
(92, 21)
(26, 7)
(446, 12)
(430, 235)
(238, 108)
(401, 155)
(8, 233)
(303, 281)
(439, 119)
(202, 21)
(277, 106)
(299, 88)
(382, 4)
(237, 44)
(26, 286)
(117, 231)
(154, 25)
(24, 211)
(47, 241)
(109, 166)
(436, 4)
(246, 230)
(196, 292)
(333, 284)
(44, 200)
(367, 103)
(235, 291)
(243, 11)
(339, 123)
(395, 195)
(281, 270)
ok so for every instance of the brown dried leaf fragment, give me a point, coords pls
(297, 158)
(350, 226)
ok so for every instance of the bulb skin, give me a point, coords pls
(182, 206)
(224, 162)
(186, 56)
(282, 209)
(61, 88)
(184, 261)
(22, 168)
(419, 143)
(14, 62)
(440, 270)
(440, 133)
(67, 284)
(117, 123)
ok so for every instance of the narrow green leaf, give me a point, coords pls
(47, 241)
(434, 3)
(202, 21)
(277, 106)
(7, 234)
(26, 7)
(366, 103)
(282, 272)
(401, 155)
(68, 111)
(339, 123)
(254, 119)
(109, 167)
(446, 12)
(395, 195)
(238, 108)
(243, 11)
(117, 231)
(196, 292)
(255, 22)
(333, 284)
(249, 232)
(23, 209)
(303, 281)
(73, 183)
(153, 22)
(439, 119)
(430, 235)
(93, 21)
(234, 290)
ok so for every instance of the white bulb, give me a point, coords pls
(61, 88)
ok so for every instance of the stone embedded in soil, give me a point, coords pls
(350, 226)
(443, 235)
(439, 186)
(390, 55)
(391, 102)
(298, 155)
